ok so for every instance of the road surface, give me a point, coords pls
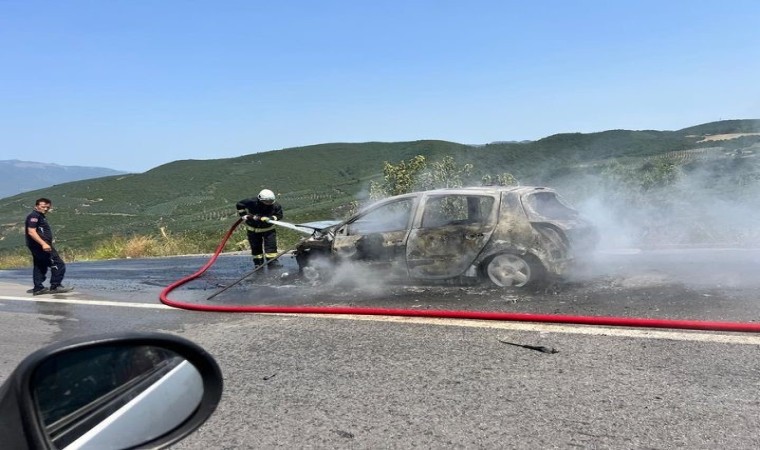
(369, 382)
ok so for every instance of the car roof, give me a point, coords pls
(485, 190)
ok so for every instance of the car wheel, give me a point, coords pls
(510, 270)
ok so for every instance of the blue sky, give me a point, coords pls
(133, 84)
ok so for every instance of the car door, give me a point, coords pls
(452, 230)
(377, 237)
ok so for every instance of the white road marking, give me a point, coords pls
(589, 330)
(88, 302)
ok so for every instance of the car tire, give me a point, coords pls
(511, 270)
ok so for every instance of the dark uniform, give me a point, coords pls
(260, 233)
(43, 260)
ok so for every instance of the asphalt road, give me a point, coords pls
(369, 382)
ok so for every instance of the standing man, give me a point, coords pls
(39, 240)
(257, 212)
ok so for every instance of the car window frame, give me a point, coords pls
(349, 228)
(486, 219)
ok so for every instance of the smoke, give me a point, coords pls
(704, 207)
(701, 229)
(348, 275)
(673, 215)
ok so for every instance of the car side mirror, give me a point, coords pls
(115, 391)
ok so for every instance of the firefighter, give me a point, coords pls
(262, 235)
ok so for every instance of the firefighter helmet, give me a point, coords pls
(266, 195)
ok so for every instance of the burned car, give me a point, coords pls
(512, 236)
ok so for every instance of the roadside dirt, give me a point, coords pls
(725, 137)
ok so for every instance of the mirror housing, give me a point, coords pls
(22, 427)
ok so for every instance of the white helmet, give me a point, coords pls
(266, 195)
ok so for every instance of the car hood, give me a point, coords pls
(318, 225)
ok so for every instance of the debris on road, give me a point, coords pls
(538, 348)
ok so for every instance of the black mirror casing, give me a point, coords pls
(20, 422)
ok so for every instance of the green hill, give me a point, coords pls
(311, 182)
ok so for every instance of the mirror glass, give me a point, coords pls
(115, 396)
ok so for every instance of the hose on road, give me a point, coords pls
(635, 322)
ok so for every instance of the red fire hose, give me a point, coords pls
(638, 322)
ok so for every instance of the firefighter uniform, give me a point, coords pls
(262, 235)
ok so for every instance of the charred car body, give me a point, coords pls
(513, 236)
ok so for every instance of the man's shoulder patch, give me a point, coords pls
(33, 219)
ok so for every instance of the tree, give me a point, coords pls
(444, 174)
(502, 179)
(658, 174)
(416, 175)
(397, 179)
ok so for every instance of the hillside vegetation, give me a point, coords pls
(314, 182)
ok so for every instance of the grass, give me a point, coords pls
(121, 247)
(164, 243)
(13, 259)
